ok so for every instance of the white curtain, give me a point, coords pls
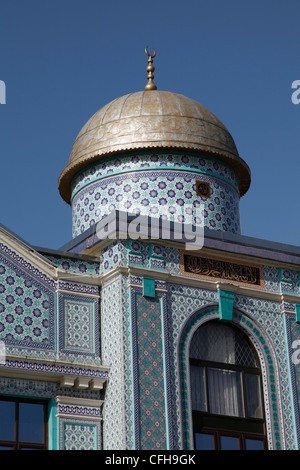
(198, 388)
(225, 392)
(254, 403)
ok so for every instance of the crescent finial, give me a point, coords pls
(150, 69)
(150, 55)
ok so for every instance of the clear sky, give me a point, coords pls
(62, 60)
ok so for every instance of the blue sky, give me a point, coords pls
(62, 60)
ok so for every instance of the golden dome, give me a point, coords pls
(152, 120)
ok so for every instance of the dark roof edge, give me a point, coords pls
(224, 241)
(65, 254)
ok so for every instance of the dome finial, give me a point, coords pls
(150, 69)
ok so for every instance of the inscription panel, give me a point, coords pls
(221, 269)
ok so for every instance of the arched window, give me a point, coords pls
(226, 390)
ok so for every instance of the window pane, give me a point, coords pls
(225, 392)
(254, 444)
(198, 388)
(6, 448)
(221, 343)
(229, 443)
(204, 441)
(254, 404)
(29, 448)
(31, 422)
(7, 420)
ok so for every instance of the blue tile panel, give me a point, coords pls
(148, 333)
(158, 185)
(27, 306)
(40, 317)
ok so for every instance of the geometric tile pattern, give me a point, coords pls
(28, 319)
(137, 161)
(112, 355)
(164, 185)
(128, 382)
(271, 279)
(74, 265)
(79, 327)
(26, 309)
(114, 255)
(79, 331)
(150, 373)
(79, 437)
(289, 281)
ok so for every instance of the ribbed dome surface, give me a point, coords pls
(152, 120)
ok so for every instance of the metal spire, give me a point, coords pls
(150, 69)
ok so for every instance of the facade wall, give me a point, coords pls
(111, 357)
(50, 329)
(179, 308)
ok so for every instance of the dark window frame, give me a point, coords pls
(242, 437)
(19, 445)
(244, 427)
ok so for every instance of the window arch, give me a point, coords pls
(226, 390)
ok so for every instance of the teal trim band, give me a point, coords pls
(57, 323)
(294, 408)
(148, 287)
(132, 372)
(165, 375)
(297, 307)
(94, 328)
(226, 300)
(52, 425)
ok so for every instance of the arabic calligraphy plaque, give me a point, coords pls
(221, 269)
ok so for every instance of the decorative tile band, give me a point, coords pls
(78, 288)
(74, 265)
(170, 194)
(57, 369)
(160, 160)
(78, 411)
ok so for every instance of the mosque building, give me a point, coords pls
(159, 326)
